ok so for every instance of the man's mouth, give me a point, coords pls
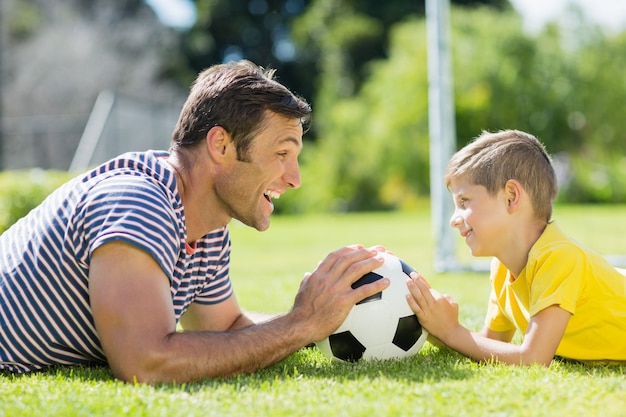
(271, 195)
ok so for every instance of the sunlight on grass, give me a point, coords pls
(267, 269)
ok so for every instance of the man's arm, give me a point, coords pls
(202, 317)
(134, 317)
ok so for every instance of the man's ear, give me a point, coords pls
(217, 142)
(513, 191)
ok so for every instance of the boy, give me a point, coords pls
(565, 299)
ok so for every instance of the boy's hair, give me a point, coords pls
(492, 159)
(235, 96)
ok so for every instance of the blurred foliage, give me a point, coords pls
(363, 66)
(591, 181)
(258, 30)
(21, 191)
(307, 41)
(565, 86)
(25, 21)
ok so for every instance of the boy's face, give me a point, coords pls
(480, 217)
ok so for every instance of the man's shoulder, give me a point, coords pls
(150, 162)
(133, 169)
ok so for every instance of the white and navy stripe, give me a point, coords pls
(45, 317)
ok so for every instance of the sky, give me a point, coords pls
(175, 13)
(609, 13)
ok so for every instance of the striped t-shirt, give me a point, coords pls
(45, 316)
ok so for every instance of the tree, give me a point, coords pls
(372, 149)
(314, 44)
(257, 30)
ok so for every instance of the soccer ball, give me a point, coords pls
(382, 326)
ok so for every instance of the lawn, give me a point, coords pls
(267, 268)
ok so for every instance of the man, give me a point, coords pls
(104, 269)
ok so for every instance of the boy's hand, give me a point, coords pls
(437, 313)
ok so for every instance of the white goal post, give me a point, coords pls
(121, 123)
(442, 129)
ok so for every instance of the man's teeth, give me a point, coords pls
(272, 195)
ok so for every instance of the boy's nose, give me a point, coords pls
(456, 220)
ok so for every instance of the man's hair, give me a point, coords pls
(492, 159)
(236, 97)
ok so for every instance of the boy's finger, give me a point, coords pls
(417, 276)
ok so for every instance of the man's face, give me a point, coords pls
(247, 188)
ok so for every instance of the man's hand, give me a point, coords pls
(326, 297)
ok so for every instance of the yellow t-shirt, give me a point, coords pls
(561, 272)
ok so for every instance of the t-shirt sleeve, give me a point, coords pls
(558, 278)
(135, 210)
(495, 319)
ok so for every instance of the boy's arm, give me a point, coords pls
(541, 340)
(439, 316)
(501, 336)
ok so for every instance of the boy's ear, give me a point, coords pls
(513, 192)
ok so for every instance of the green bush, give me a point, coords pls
(25, 20)
(591, 181)
(21, 191)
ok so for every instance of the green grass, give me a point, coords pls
(267, 268)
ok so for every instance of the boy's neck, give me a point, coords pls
(515, 257)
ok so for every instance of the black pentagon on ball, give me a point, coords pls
(346, 347)
(406, 268)
(407, 333)
(368, 279)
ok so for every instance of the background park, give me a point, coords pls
(365, 167)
